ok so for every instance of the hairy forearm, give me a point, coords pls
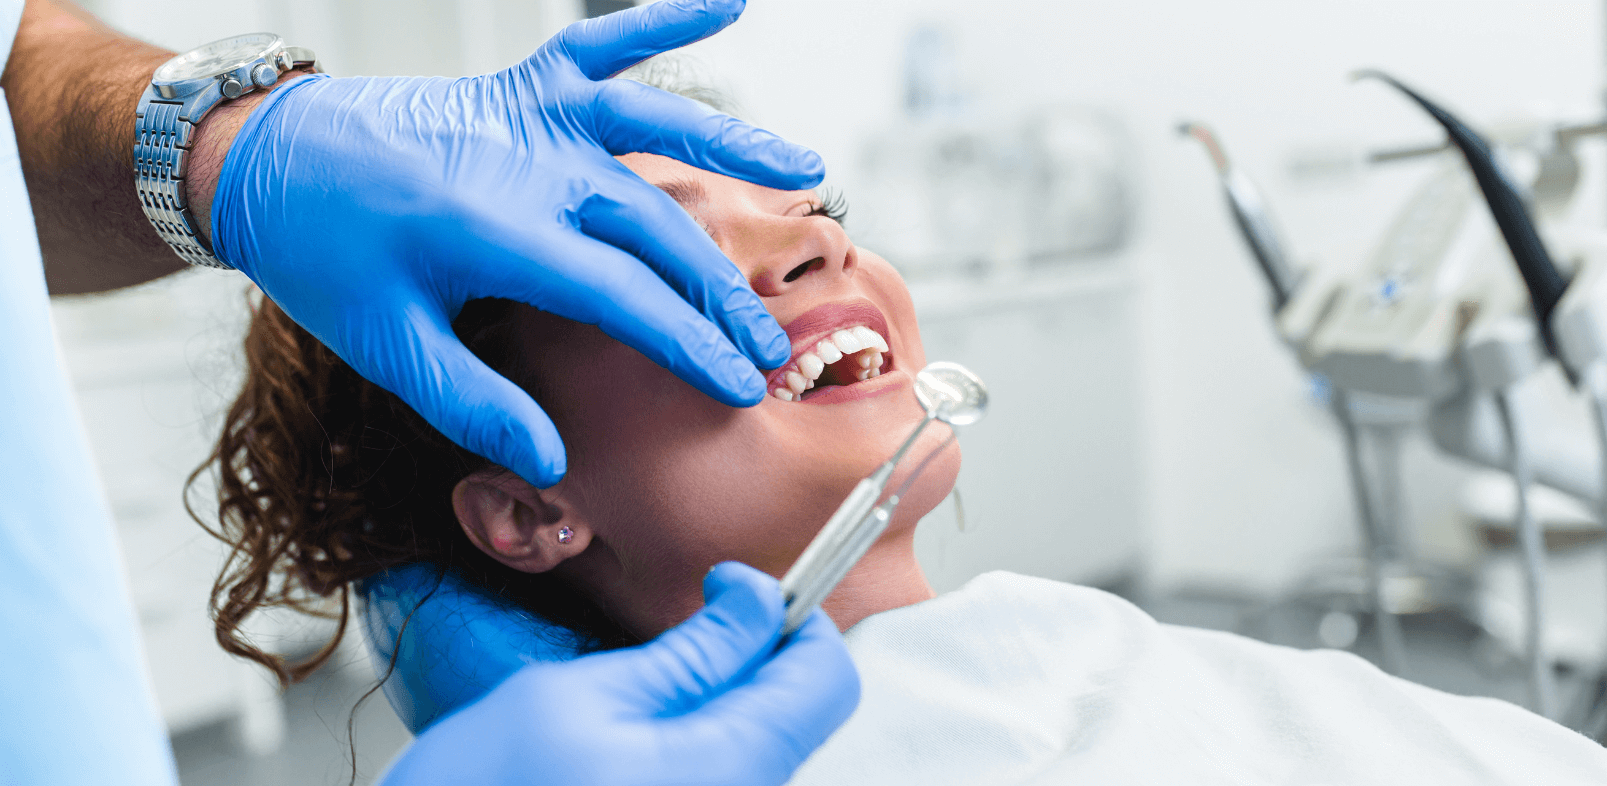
(72, 85)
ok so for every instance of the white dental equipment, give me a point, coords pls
(1261, 236)
(1504, 353)
(948, 392)
(1440, 318)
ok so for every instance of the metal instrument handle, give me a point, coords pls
(831, 536)
(831, 571)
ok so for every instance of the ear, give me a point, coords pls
(508, 519)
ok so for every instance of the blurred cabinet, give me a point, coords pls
(1052, 478)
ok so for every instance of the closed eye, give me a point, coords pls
(832, 205)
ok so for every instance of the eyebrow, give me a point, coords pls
(688, 193)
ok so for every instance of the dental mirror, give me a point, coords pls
(951, 393)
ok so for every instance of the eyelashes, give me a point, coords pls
(832, 205)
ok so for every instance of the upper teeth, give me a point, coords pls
(801, 375)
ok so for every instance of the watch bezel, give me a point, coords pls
(271, 51)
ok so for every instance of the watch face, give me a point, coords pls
(215, 58)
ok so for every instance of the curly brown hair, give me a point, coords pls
(325, 479)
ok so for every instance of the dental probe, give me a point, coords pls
(948, 392)
(863, 537)
(831, 537)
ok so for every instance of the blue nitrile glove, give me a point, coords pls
(711, 701)
(372, 209)
(445, 642)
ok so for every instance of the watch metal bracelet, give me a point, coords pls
(161, 150)
(164, 124)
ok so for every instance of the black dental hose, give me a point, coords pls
(1540, 275)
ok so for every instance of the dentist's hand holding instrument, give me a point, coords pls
(721, 699)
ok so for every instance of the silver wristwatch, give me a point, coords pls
(182, 91)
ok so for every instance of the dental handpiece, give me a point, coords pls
(948, 392)
(1253, 218)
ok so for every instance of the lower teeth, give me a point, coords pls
(870, 368)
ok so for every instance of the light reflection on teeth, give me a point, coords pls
(828, 352)
(813, 365)
(870, 338)
(847, 341)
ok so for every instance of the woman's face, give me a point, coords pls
(664, 482)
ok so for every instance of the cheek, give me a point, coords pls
(677, 482)
(886, 288)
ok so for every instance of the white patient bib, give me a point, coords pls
(1018, 680)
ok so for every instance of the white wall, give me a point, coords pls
(373, 37)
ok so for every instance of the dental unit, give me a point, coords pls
(1260, 235)
(1499, 358)
(1570, 323)
(1453, 311)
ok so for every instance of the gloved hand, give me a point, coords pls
(711, 701)
(372, 209)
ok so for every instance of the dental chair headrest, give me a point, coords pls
(459, 644)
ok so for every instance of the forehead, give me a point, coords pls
(658, 169)
(697, 188)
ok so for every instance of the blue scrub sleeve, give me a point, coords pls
(10, 17)
(75, 703)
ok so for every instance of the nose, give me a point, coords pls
(814, 252)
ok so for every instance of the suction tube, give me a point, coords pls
(1250, 213)
(1531, 542)
(1540, 274)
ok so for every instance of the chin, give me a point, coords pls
(933, 485)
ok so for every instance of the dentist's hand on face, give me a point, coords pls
(372, 209)
(712, 701)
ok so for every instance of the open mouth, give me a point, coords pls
(836, 345)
